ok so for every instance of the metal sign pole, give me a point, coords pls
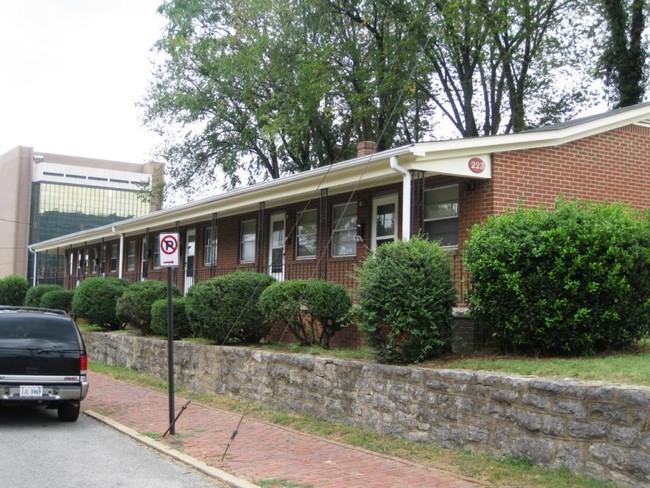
(169, 258)
(170, 350)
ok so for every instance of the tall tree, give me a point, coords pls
(257, 89)
(624, 59)
(264, 88)
(490, 58)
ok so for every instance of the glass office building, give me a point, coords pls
(45, 195)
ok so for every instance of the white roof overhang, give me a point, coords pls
(452, 157)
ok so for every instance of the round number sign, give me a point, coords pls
(476, 165)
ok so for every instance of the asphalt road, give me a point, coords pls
(37, 450)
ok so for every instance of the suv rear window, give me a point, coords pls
(52, 329)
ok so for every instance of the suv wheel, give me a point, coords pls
(68, 412)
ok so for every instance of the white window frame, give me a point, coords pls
(130, 255)
(448, 217)
(113, 258)
(300, 234)
(210, 247)
(337, 231)
(246, 239)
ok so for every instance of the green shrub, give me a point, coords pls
(58, 299)
(406, 294)
(95, 300)
(182, 327)
(35, 294)
(13, 289)
(226, 308)
(313, 310)
(134, 306)
(570, 280)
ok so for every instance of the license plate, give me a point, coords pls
(31, 391)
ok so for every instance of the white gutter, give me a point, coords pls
(35, 256)
(406, 198)
(121, 255)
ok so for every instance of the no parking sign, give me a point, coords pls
(169, 249)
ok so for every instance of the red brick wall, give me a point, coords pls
(605, 167)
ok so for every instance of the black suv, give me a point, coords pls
(42, 360)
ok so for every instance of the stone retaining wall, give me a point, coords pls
(591, 428)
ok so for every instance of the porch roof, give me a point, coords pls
(467, 158)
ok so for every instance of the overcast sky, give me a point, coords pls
(71, 72)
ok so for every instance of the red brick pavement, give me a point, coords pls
(261, 451)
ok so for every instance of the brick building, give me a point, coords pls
(321, 223)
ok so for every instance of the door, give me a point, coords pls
(384, 220)
(276, 247)
(143, 260)
(190, 262)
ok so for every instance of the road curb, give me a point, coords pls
(173, 453)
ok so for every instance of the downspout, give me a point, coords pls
(35, 255)
(121, 254)
(406, 197)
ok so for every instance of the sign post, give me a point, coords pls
(169, 259)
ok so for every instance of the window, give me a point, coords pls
(248, 241)
(156, 252)
(210, 253)
(344, 218)
(130, 256)
(113, 262)
(441, 215)
(306, 234)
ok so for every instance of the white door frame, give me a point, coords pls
(276, 246)
(190, 258)
(377, 202)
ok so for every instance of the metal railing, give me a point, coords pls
(336, 271)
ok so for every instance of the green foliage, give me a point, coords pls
(406, 294)
(13, 289)
(623, 63)
(226, 308)
(58, 299)
(95, 300)
(572, 280)
(35, 294)
(134, 306)
(270, 87)
(313, 310)
(181, 322)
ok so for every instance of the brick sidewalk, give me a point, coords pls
(261, 451)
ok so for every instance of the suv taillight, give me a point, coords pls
(83, 363)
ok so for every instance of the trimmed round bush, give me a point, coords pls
(226, 308)
(181, 324)
(313, 310)
(95, 300)
(58, 299)
(13, 289)
(406, 294)
(574, 279)
(134, 306)
(35, 294)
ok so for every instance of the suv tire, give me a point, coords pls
(69, 412)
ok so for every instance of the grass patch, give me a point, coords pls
(507, 472)
(277, 483)
(631, 367)
(152, 435)
(90, 328)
